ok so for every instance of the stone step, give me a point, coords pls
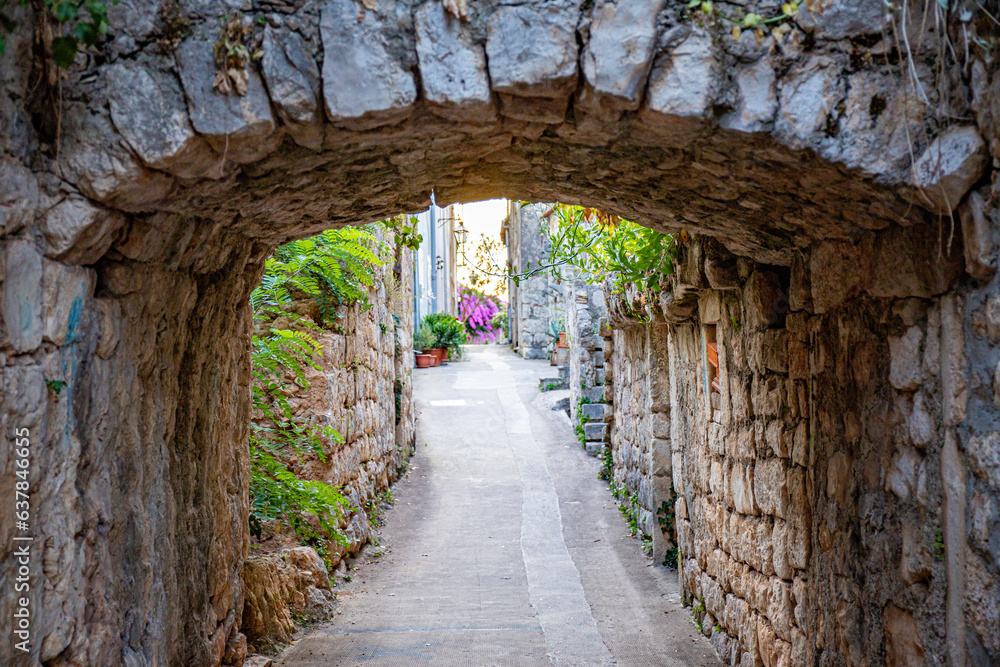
(595, 432)
(594, 412)
(549, 384)
(595, 448)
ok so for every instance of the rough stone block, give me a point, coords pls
(294, 83)
(94, 158)
(682, 82)
(778, 439)
(595, 432)
(19, 197)
(769, 486)
(798, 359)
(902, 477)
(920, 423)
(65, 291)
(757, 97)
(156, 124)
(237, 126)
(915, 561)
(902, 638)
(838, 477)
(984, 457)
(775, 350)
(364, 85)
(660, 425)
(807, 96)
(905, 370)
(77, 232)
(741, 484)
(618, 55)
(532, 52)
(452, 67)
(22, 296)
(800, 444)
(593, 412)
(779, 558)
(948, 167)
(799, 519)
(977, 238)
(837, 19)
(763, 299)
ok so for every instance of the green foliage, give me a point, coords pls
(937, 547)
(779, 25)
(549, 386)
(581, 419)
(404, 230)
(276, 494)
(448, 332)
(607, 464)
(423, 338)
(603, 246)
(665, 517)
(87, 21)
(336, 268)
(55, 386)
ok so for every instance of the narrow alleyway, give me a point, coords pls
(503, 547)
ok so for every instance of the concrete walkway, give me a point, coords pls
(504, 548)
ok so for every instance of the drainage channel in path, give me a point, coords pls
(503, 547)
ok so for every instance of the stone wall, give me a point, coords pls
(640, 433)
(836, 495)
(135, 225)
(535, 301)
(584, 308)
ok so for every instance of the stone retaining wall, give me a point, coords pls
(836, 496)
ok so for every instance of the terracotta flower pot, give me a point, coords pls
(438, 355)
(424, 360)
(447, 354)
(563, 340)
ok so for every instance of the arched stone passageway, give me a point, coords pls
(139, 204)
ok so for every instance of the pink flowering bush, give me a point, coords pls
(476, 310)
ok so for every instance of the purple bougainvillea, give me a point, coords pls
(476, 310)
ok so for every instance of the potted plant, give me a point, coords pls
(423, 340)
(449, 334)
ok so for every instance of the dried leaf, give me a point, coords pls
(240, 80)
(457, 8)
(221, 83)
(369, 4)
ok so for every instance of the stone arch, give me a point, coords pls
(132, 236)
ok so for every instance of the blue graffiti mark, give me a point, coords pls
(75, 318)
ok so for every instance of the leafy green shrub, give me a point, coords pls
(423, 339)
(448, 332)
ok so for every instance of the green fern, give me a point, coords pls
(336, 268)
